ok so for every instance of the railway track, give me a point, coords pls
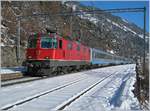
(20, 80)
(24, 79)
(8, 81)
(39, 95)
(64, 91)
(59, 95)
(74, 98)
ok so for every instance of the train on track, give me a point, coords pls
(48, 53)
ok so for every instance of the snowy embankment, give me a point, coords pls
(5, 70)
(115, 94)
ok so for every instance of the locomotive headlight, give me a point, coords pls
(29, 57)
(46, 57)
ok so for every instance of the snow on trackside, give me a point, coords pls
(5, 70)
(129, 102)
(113, 94)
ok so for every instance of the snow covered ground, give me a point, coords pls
(5, 70)
(114, 93)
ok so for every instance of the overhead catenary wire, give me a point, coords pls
(121, 10)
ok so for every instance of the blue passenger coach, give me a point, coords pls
(99, 57)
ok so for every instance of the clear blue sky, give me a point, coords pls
(136, 18)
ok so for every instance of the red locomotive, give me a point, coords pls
(49, 52)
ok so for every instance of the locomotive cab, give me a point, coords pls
(41, 46)
(40, 52)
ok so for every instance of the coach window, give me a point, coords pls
(93, 54)
(60, 44)
(105, 56)
(102, 55)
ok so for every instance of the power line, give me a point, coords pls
(119, 10)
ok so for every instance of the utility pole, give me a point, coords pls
(18, 40)
(144, 48)
(144, 40)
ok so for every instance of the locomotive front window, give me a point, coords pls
(47, 42)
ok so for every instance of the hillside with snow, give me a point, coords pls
(103, 31)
